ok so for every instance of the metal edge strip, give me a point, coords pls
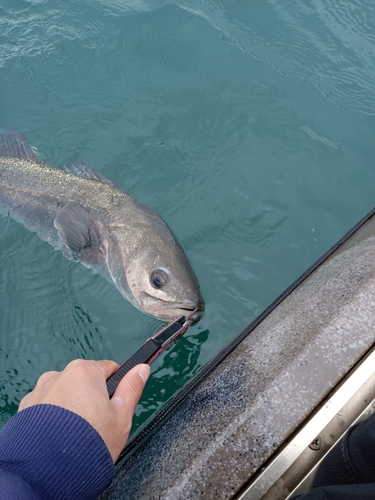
(321, 432)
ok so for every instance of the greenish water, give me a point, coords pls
(249, 126)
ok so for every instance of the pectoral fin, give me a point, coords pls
(73, 225)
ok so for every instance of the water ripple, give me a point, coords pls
(246, 125)
(330, 45)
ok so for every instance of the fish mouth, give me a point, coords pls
(193, 315)
(193, 311)
(169, 311)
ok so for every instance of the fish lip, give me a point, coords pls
(166, 311)
(171, 311)
(186, 307)
(196, 316)
(196, 309)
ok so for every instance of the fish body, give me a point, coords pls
(90, 219)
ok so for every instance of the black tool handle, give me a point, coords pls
(143, 354)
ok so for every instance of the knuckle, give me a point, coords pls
(77, 364)
(81, 368)
(45, 377)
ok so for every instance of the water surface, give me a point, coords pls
(249, 126)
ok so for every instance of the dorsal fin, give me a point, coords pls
(82, 170)
(14, 144)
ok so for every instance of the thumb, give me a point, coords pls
(130, 388)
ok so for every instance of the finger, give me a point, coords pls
(130, 388)
(108, 366)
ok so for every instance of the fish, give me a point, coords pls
(90, 219)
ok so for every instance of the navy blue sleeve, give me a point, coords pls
(47, 452)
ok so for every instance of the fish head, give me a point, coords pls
(156, 276)
(164, 284)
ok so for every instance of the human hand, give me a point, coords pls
(81, 388)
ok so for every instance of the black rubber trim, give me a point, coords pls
(149, 349)
(193, 384)
(148, 352)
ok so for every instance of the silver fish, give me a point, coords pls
(90, 219)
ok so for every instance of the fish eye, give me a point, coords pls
(158, 278)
